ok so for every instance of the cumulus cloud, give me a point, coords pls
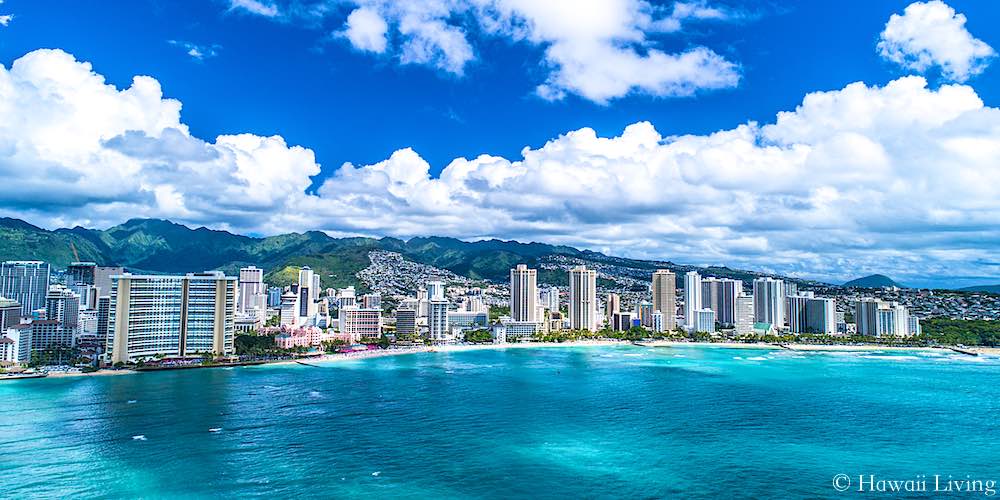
(898, 179)
(930, 34)
(6, 19)
(597, 49)
(366, 30)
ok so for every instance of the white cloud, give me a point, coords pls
(932, 34)
(261, 8)
(6, 19)
(597, 49)
(199, 52)
(899, 179)
(366, 30)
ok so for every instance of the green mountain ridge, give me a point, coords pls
(872, 281)
(161, 246)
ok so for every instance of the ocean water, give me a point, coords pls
(590, 422)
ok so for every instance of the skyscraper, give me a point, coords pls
(583, 299)
(612, 305)
(692, 298)
(27, 282)
(719, 295)
(524, 294)
(437, 320)
(307, 301)
(81, 273)
(809, 314)
(664, 289)
(769, 301)
(171, 315)
(252, 298)
(435, 290)
(743, 320)
(102, 278)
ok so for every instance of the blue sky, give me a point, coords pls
(289, 69)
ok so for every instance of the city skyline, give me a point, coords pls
(882, 165)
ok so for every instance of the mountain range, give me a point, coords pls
(160, 246)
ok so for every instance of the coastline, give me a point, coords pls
(361, 355)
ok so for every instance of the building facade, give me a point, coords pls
(583, 299)
(26, 282)
(664, 288)
(769, 301)
(523, 294)
(180, 316)
(692, 298)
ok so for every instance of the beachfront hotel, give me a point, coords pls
(171, 316)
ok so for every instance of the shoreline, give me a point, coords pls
(362, 355)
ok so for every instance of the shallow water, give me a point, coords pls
(587, 422)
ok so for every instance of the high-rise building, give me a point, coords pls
(81, 273)
(704, 320)
(612, 305)
(307, 300)
(523, 294)
(719, 295)
(62, 305)
(274, 296)
(437, 319)
(692, 298)
(372, 301)
(314, 290)
(866, 316)
(744, 319)
(252, 299)
(876, 318)
(288, 314)
(809, 314)
(913, 328)
(664, 290)
(769, 301)
(583, 299)
(658, 322)
(435, 290)
(620, 321)
(103, 314)
(644, 311)
(361, 324)
(552, 299)
(406, 322)
(102, 278)
(171, 315)
(10, 313)
(27, 282)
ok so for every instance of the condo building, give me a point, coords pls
(26, 282)
(692, 298)
(583, 299)
(769, 301)
(252, 296)
(524, 294)
(807, 313)
(719, 295)
(171, 316)
(664, 288)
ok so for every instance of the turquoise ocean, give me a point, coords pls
(567, 422)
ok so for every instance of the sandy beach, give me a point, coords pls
(333, 358)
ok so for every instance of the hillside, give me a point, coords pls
(981, 288)
(873, 281)
(160, 246)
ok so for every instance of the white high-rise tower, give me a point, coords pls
(523, 294)
(692, 298)
(583, 299)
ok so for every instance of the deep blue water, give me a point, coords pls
(593, 422)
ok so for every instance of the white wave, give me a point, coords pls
(376, 473)
(140, 437)
(758, 358)
(131, 401)
(215, 429)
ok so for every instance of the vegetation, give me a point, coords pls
(58, 355)
(497, 311)
(958, 331)
(254, 345)
(332, 346)
(481, 336)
